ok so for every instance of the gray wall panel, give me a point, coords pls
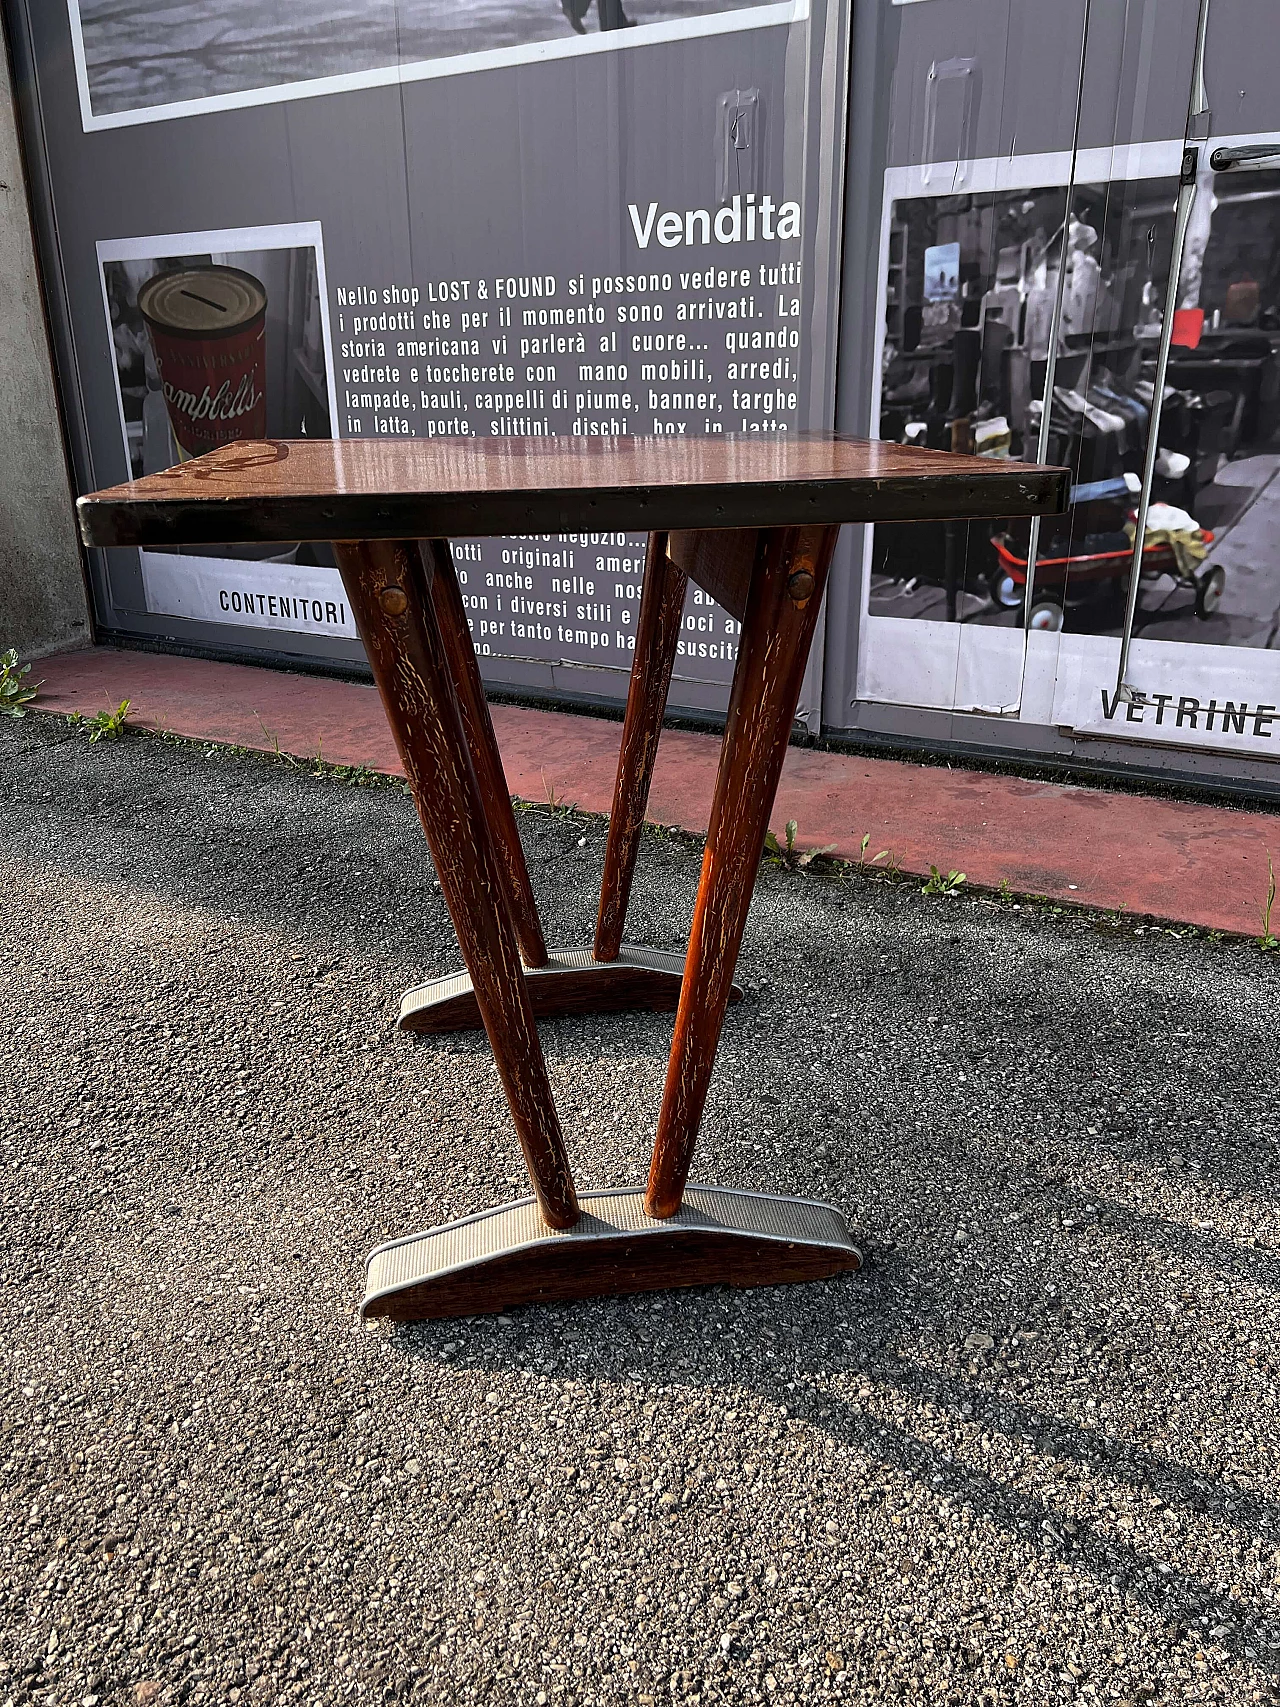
(43, 597)
(522, 169)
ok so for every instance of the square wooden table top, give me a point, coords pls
(325, 489)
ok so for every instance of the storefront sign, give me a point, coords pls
(1200, 698)
(268, 595)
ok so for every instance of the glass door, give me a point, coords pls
(1193, 660)
(980, 224)
(1076, 219)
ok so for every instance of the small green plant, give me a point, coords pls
(355, 776)
(14, 692)
(862, 852)
(810, 854)
(772, 848)
(272, 737)
(107, 725)
(1268, 942)
(939, 884)
(556, 804)
(790, 855)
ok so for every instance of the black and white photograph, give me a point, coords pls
(970, 288)
(219, 337)
(214, 345)
(147, 59)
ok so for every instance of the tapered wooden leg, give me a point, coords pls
(657, 635)
(782, 612)
(460, 655)
(395, 613)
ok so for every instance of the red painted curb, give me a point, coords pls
(1192, 863)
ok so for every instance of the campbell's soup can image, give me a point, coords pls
(208, 328)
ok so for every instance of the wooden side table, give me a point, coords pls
(752, 521)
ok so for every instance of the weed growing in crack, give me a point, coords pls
(103, 725)
(1267, 940)
(14, 691)
(939, 883)
(790, 856)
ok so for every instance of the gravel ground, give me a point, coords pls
(1028, 1454)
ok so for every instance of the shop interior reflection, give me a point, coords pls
(970, 291)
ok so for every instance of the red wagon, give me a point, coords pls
(1072, 580)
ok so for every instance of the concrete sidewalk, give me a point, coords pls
(1193, 863)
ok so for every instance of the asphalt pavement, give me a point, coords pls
(1028, 1454)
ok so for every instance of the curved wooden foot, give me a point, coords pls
(573, 981)
(508, 1255)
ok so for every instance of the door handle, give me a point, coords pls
(962, 77)
(1253, 157)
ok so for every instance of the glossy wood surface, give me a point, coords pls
(657, 636)
(718, 561)
(413, 488)
(394, 613)
(460, 656)
(611, 1269)
(505, 1256)
(782, 612)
